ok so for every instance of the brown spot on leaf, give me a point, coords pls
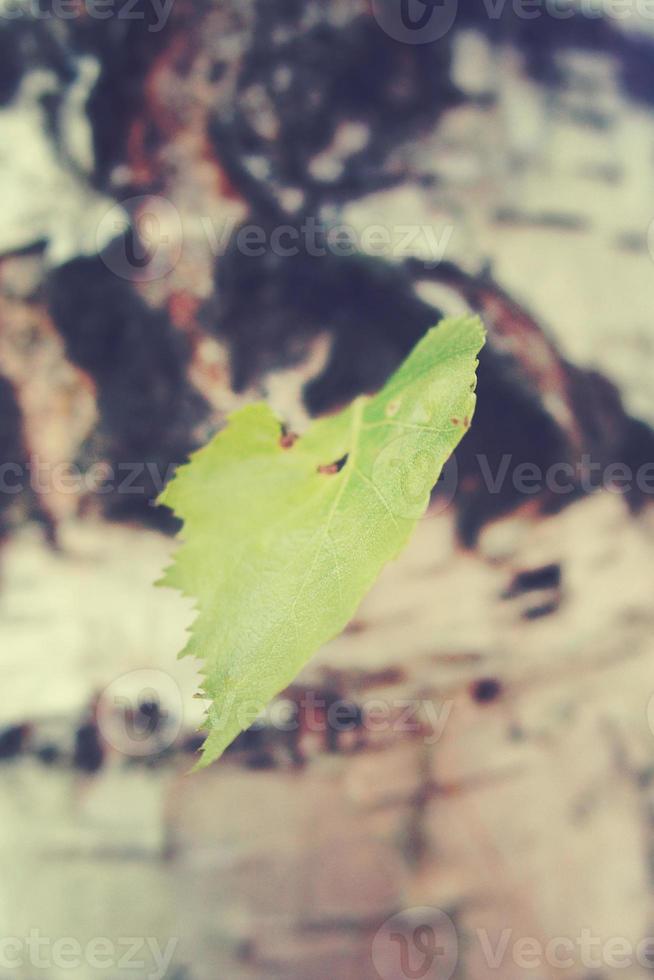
(287, 440)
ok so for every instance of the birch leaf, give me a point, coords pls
(280, 541)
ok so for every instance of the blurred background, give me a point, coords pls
(207, 203)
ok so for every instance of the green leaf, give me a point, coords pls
(281, 543)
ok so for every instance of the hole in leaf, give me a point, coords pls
(336, 467)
